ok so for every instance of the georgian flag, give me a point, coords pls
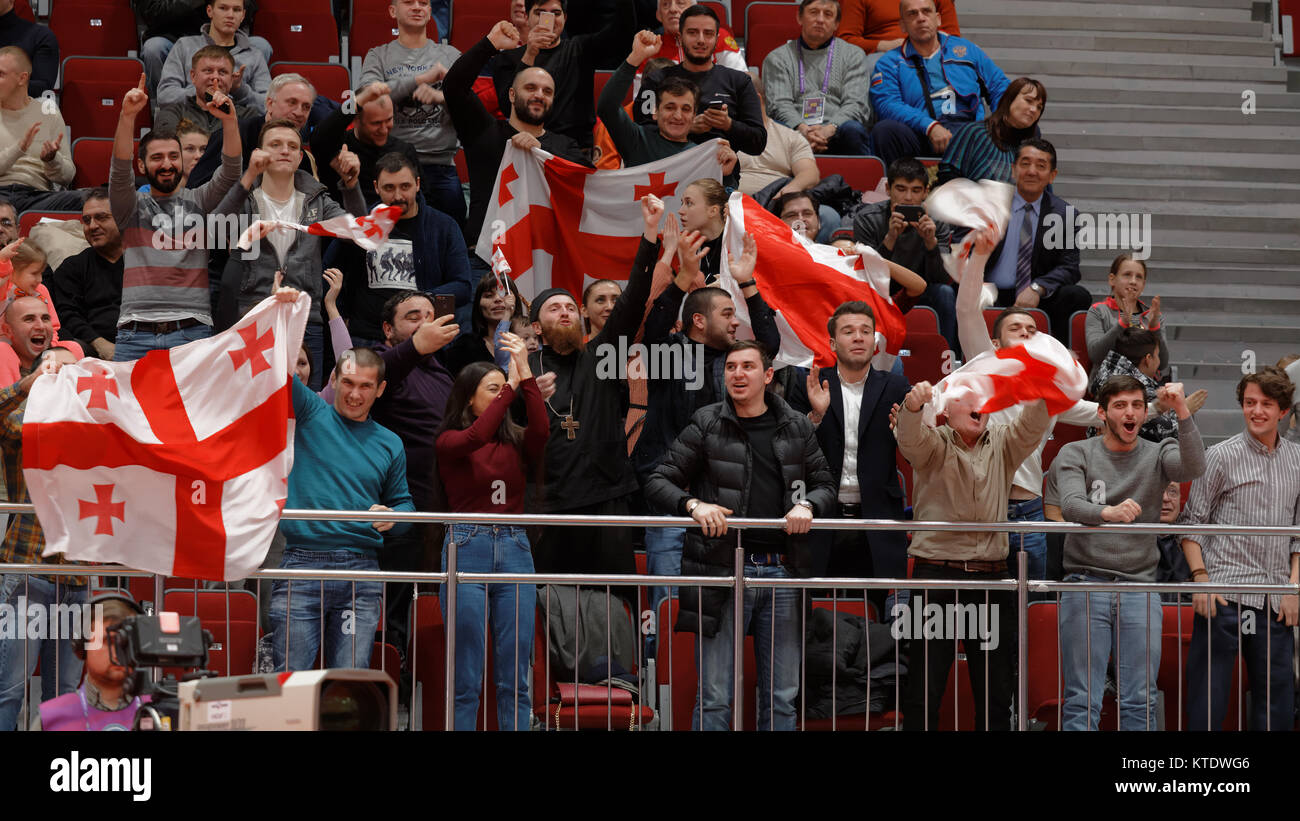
(805, 282)
(176, 463)
(560, 224)
(1038, 368)
(370, 231)
(973, 205)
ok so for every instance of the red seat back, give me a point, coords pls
(921, 319)
(925, 359)
(768, 27)
(861, 173)
(300, 32)
(471, 20)
(95, 28)
(93, 88)
(29, 218)
(330, 79)
(675, 668)
(1079, 338)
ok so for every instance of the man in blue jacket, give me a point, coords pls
(927, 87)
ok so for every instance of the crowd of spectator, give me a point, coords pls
(427, 382)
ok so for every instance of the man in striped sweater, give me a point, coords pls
(165, 296)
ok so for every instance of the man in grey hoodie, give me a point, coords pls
(413, 67)
(275, 188)
(251, 78)
(1117, 477)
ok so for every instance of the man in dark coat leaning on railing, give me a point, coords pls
(750, 455)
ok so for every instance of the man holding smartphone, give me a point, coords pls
(900, 231)
(425, 252)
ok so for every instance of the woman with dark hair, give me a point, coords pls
(986, 149)
(1124, 309)
(598, 300)
(484, 459)
(488, 307)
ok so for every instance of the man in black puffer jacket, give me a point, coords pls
(752, 456)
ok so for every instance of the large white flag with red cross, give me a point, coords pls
(805, 282)
(176, 463)
(560, 224)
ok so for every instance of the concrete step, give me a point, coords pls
(1134, 55)
(993, 5)
(1162, 271)
(1128, 188)
(1135, 13)
(1183, 165)
(1173, 141)
(1282, 134)
(1083, 112)
(1075, 18)
(1140, 70)
(1278, 217)
(1227, 372)
(995, 39)
(1166, 93)
(1209, 327)
(1191, 247)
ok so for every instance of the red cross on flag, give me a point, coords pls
(370, 231)
(175, 463)
(805, 282)
(561, 224)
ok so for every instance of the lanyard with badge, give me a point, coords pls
(814, 105)
(85, 711)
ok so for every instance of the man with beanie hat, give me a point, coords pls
(587, 470)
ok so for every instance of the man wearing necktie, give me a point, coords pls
(1036, 274)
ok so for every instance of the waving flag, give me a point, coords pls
(176, 463)
(1038, 368)
(370, 231)
(969, 204)
(558, 223)
(805, 283)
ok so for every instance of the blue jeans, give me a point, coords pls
(313, 337)
(491, 549)
(850, 137)
(830, 221)
(1267, 652)
(1090, 625)
(445, 193)
(663, 557)
(773, 614)
(18, 655)
(132, 345)
(346, 614)
(1034, 544)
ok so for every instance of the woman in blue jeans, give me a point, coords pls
(484, 459)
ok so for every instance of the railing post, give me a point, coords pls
(449, 628)
(738, 640)
(1022, 641)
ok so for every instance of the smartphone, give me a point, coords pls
(911, 213)
(225, 107)
(546, 22)
(717, 102)
(443, 305)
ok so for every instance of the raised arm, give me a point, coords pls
(972, 331)
(625, 319)
(464, 107)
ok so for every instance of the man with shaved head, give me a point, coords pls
(370, 138)
(484, 137)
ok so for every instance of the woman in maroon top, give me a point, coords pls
(484, 459)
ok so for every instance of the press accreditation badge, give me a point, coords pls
(814, 110)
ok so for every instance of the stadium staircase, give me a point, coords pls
(1145, 106)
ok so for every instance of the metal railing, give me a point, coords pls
(453, 578)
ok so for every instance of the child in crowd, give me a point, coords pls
(22, 266)
(1123, 309)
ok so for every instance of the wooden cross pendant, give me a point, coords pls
(569, 425)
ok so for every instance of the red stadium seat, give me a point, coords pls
(1079, 339)
(462, 168)
(861, 173)
(385, 657)
(767, 27)
(719, 9)
(925, 358)
(1044, 663)
(299, 32)
(93, 88)
(849, 721)
(601, 78)
(330, 79)
(676, 674)
(427, 658)
(922, 319)
(91, 156)
(1040, 319)
(1062, 435)
(24, 10)
(213, 605)
(29, 218)
(740, 16)
(93, 27)
(471, 20)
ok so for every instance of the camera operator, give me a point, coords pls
(103, 701)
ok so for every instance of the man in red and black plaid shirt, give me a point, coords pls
(28, 328)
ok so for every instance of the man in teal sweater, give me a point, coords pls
(343, 460)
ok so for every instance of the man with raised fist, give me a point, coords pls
(165, 296)
(1117, 477)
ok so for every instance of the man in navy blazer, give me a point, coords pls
(1041, 269)
(850, 405)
